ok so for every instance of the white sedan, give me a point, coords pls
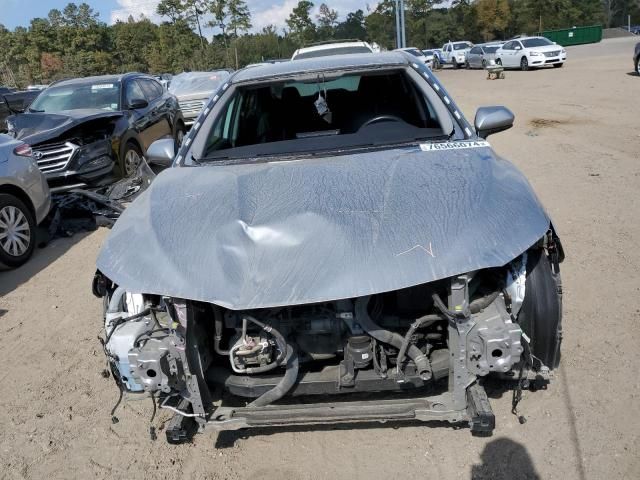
(530, 52)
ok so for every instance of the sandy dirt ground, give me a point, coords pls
(577, 139)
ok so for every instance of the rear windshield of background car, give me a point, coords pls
(332, 51)
(491, 49)
(350, 111)
(460, 46)
(99, 96)
(536, 42)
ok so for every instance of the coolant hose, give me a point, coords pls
(284, 385)
(427, 319)
(280, 341)
(385, 336)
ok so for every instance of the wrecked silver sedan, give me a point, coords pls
(335, 243)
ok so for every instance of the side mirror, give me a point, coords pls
(161, 152)
(137, 103)
(518, 47)
(490, 120)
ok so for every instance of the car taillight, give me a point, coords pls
(23, 150)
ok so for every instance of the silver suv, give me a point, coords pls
(24, 201)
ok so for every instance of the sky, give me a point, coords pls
(15, 13)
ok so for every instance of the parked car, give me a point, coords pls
(325, 49)
(482, 55)
(192, 89)
(636, 59)
(428, 61)
(12, 101)
(24, 201)
(288, 252)
(455, 53)
(531, 52)
(90, 131)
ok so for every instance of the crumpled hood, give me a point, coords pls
(312, 230)
(34, 128)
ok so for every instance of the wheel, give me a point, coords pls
(558, 65)
(455, 65)
(436, 63)
(498, 61)
(540, 316)
(466, 65)
(131, 159)
(484, 63)
(17, 231)
(524, 64)
(638, 65)
(179, 138)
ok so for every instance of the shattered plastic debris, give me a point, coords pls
(81, 210)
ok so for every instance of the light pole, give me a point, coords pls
(401, 37)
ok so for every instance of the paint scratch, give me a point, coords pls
(419, 247)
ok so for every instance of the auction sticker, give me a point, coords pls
(430, 147)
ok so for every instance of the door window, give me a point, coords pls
(149, 89)
(133, 91)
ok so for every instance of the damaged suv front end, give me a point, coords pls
(357, 241)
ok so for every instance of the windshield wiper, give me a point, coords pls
(33, 110)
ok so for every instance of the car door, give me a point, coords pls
(474, 57)
(159, 124)
(507, 54)
(518, 51)
(139, 117)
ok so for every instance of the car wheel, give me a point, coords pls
(638, 65)
(455, 65)
(179, 138)
(540, 316)
(484, 63)
(131, 159)
(558, 65)
(436, 64)
(524, 64)
(498, 61)
(17, 231)
(467, 65)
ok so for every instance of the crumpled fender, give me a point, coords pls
(318, 229)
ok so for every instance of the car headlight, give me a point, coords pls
(563, 51)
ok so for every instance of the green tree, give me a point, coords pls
(327, 22)
(302, 28)
(353, 26)
(239, 17)
(494, 17)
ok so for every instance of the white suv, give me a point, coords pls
(455, 53)
(528, 52)
(332, 48)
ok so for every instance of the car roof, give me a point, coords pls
(99, 79)
(321, 64)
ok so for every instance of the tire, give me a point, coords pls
(455, 65)
(540, 316)
(524, 64)
(436, 64)
(638, 65)
(484, 63)
(558, 65)
(498, 61)
(128, 163)
(179, 137)
(17, 231)
(467, 65)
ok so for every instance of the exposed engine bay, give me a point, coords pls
(196, 357)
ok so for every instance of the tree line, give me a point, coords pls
(214, 34)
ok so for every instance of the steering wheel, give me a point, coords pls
(381, 118)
